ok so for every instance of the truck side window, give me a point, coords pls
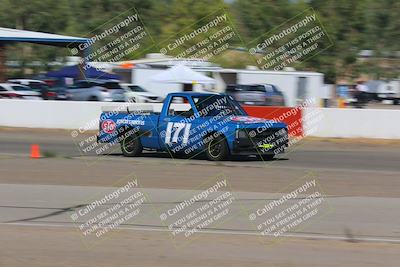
(179, 106)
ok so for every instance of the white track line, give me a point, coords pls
(226, 232)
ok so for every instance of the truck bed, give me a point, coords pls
(113, 125)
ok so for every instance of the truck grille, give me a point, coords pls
(262, 140)
(275, 136)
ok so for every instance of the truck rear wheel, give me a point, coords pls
(217, 148)
(131, 145)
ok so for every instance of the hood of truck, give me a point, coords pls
(254, 122)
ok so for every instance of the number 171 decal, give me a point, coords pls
(176, 128)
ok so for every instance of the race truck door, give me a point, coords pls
(176, 124)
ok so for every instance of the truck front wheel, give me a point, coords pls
(217, 148)
(131, 145)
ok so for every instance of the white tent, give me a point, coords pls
(182, 74)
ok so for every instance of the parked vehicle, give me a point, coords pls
(273, 95)
(96, 90)
(387, 90)
(38, 86)
(360, 99)
(136, 94)
(192, 123)
(257, 94)
(61, 93)
(17, 91)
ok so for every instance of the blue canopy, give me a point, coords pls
(73, 72)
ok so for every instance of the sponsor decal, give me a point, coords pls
(247, 119)
(266, 146)
(108, 126)
(130, 122)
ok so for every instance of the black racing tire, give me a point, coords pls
(267, 157)
(93, 98)
(131, 145)
(216, 148)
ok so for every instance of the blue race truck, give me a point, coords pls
(194, 123)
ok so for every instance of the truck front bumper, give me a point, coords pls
(269, 142)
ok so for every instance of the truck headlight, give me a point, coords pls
(241, 133)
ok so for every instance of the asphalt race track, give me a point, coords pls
(358, 222)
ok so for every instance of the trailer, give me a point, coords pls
(296, 86)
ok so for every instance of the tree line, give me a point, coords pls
(352, 25)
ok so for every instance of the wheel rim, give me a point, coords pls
(214, 148)
(128, 144)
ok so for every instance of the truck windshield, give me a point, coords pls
(218, 105)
